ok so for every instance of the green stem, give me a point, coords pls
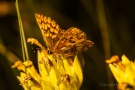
(23, 41)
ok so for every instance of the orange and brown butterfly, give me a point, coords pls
(67, 42)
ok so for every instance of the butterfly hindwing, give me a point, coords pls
(72, 42)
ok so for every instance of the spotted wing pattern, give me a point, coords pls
(68, 43)
(50, 30)
(72, 42)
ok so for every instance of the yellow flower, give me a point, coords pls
(55, 73)
(123, 71)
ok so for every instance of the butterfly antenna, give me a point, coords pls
(36, 49)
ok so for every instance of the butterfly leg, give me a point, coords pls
(35, 41)
(70, 60)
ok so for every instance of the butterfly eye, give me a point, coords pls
(49, 52)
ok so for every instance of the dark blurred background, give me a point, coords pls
(110, 24)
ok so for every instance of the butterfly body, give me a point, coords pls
(67, 42)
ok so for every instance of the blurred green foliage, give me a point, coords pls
(114, 18)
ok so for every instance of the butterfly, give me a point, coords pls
(66, 42)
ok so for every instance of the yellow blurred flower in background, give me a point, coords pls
(123, 71)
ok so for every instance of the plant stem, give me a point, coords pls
(23, 41)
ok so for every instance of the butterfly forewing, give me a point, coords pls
(50, 30)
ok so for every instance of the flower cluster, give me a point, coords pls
(55, 73)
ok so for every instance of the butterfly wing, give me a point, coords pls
(72, 42)
(50, 30)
